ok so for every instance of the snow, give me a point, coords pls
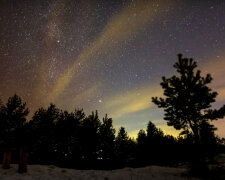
(49, 172)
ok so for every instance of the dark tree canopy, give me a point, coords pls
(12, 120)
(14, 113)
(124, 146)
(90, 133)
(107, 136)
(187, 99)
(153, 133)
(75, 140)
(42, 128)
(141, 137)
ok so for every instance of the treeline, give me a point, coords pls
(76, 140)
(73, 139)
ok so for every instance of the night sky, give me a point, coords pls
(107, 55)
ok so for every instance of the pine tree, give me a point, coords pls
(90, 137)
(125, 147)
(13, 119)
(187, 99)
(43, 125)
(14, 113)
(154, 134)
(107, 137)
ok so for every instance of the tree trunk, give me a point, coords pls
(196, 136)
(194, 129)
(23, 161)
(6, 159)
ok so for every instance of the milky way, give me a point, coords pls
(107, 55)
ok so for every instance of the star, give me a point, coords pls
(108, 53)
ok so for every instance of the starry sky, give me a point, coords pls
(108, 55)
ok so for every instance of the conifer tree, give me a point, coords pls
(13, 118)
(187, 99)
(14, 113)
(124, 146)
(107, 137)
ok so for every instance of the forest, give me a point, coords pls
(76, 140)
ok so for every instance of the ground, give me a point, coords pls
(49, 172)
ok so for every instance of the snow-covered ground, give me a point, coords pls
(43, 172)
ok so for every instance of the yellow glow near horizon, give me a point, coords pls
(132, 101)
(167, 130)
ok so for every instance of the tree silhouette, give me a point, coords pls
(207, 133)
(72, 139)
(13, 118)
(154, 134)
(43, 132)
(67, 135)
(107, 137)
(124, 147)
(188, 98)
(14, 113)
(90, 137)
(142, 144)
(141, 138)
(155, 139)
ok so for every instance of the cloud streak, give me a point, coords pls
(87, 94)
(133, 101)
(122, 26)
(216, 68)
